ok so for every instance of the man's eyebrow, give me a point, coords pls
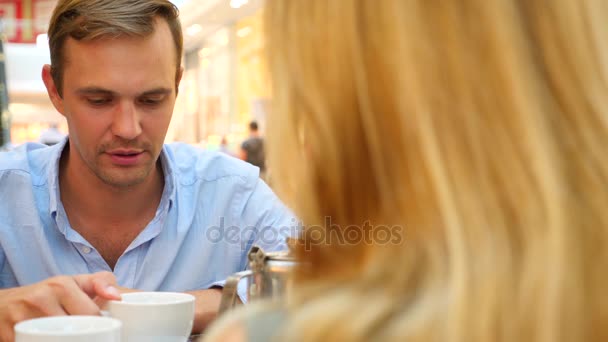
(102, 91)
(94, 91)
(157, 91)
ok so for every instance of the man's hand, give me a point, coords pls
(57, 296)
(206, 307)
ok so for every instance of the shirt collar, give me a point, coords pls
(53, 175)
(169, 191)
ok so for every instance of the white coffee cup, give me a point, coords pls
(154, 316)
(69, 329)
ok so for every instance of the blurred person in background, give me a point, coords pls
(113, 209)
(224, 148)
(480, 127)
(252, 149)
(51, 136)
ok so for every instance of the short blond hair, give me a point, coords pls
(93, 19)
(481, 127)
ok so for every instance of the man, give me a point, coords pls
(111, 209)
(252, 149)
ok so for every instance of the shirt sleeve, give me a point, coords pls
(268, 220)
(267, 223)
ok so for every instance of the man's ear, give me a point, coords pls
(178, 79)
(51, 88)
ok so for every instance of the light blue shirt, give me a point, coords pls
(213, 209)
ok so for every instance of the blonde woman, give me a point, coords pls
(479, 127)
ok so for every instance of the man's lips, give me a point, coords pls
(125, 151)
(125, 157)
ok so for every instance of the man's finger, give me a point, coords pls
(76, 302)
(105, 291)
(101, 284)
(6, 333)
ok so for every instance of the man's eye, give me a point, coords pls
(150, 101)
(98, 101)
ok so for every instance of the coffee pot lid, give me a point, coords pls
(280, 256)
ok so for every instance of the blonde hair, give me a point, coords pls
(93, 19)
(480, 127)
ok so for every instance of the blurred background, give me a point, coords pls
(224, 86)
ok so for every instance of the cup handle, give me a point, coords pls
(230, 290)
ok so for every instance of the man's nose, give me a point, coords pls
(126, 122)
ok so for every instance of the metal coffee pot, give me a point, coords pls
(268, 277)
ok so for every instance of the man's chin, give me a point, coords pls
(123, 180)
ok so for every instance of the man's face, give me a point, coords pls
(118, 98)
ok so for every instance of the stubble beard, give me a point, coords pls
(123, 178)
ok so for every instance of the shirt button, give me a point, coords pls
(86, 250)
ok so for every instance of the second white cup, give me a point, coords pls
(68, 329)
(154, 316)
